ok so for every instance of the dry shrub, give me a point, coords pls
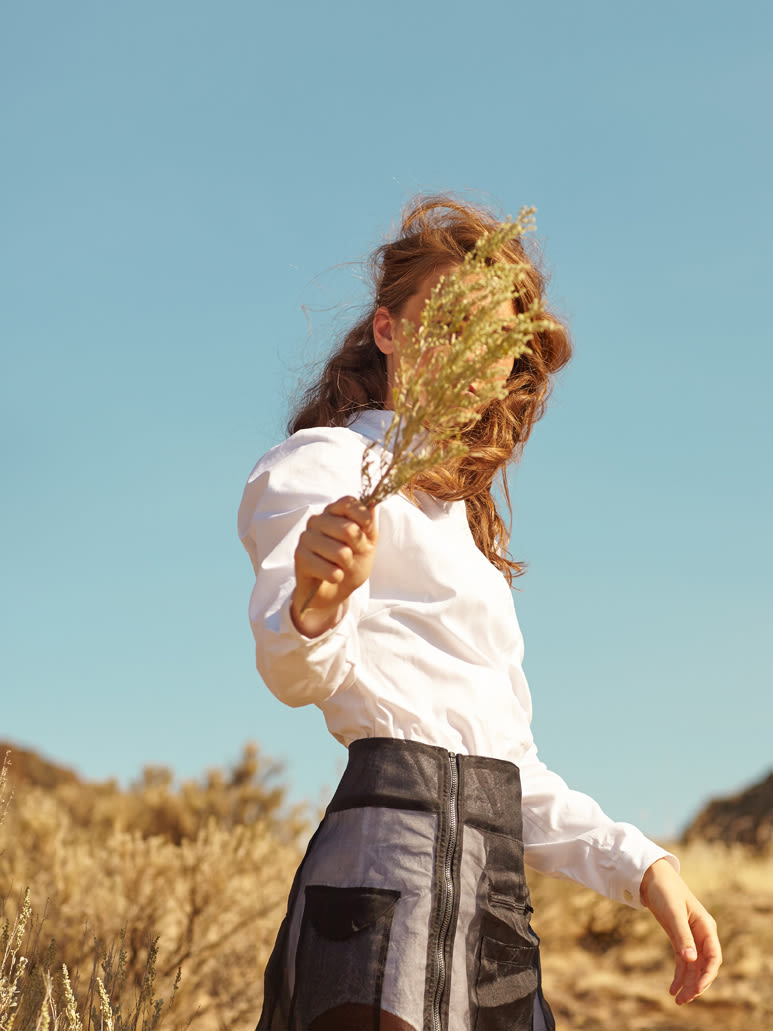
(194, 878)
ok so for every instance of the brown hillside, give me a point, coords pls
(745, 818)
(32, 770)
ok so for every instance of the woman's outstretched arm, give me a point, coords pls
(300, 479)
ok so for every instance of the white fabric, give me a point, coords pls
(428, 649)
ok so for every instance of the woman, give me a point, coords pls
(410, 910)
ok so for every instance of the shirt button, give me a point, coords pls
(627, 896)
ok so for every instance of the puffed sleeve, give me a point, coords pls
(292, 482)
(567, 834)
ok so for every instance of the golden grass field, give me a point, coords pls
(206, 867)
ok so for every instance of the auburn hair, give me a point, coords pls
(435, 232)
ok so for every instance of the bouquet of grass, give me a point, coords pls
(459, 341)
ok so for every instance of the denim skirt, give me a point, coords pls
(410, 910)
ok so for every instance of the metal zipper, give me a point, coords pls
(447, 889)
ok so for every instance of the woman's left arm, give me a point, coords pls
(567, 834)
(690, 928)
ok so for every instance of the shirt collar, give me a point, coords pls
(371, 423)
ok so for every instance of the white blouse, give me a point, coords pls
(428, 649)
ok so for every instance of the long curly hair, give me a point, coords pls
(435, 232)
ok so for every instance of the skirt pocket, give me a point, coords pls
(507, 971)
(341, 955)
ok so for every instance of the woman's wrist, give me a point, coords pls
(650, 875)
(313, 622)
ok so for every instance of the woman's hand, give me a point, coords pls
(693, 932)
(334, 557)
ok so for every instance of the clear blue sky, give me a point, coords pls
(180, 179)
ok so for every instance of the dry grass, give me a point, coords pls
(136, 884)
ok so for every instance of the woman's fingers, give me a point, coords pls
(348, 521)
(708, 955)
(314, 566)
(336, 538)
(693, 977)
(677, 926)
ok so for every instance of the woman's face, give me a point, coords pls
(388, 329)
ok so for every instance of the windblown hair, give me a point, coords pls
(435, 232)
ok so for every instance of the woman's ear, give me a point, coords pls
(383, 331)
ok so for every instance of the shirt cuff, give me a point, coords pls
(302, 670)
(627, 866)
